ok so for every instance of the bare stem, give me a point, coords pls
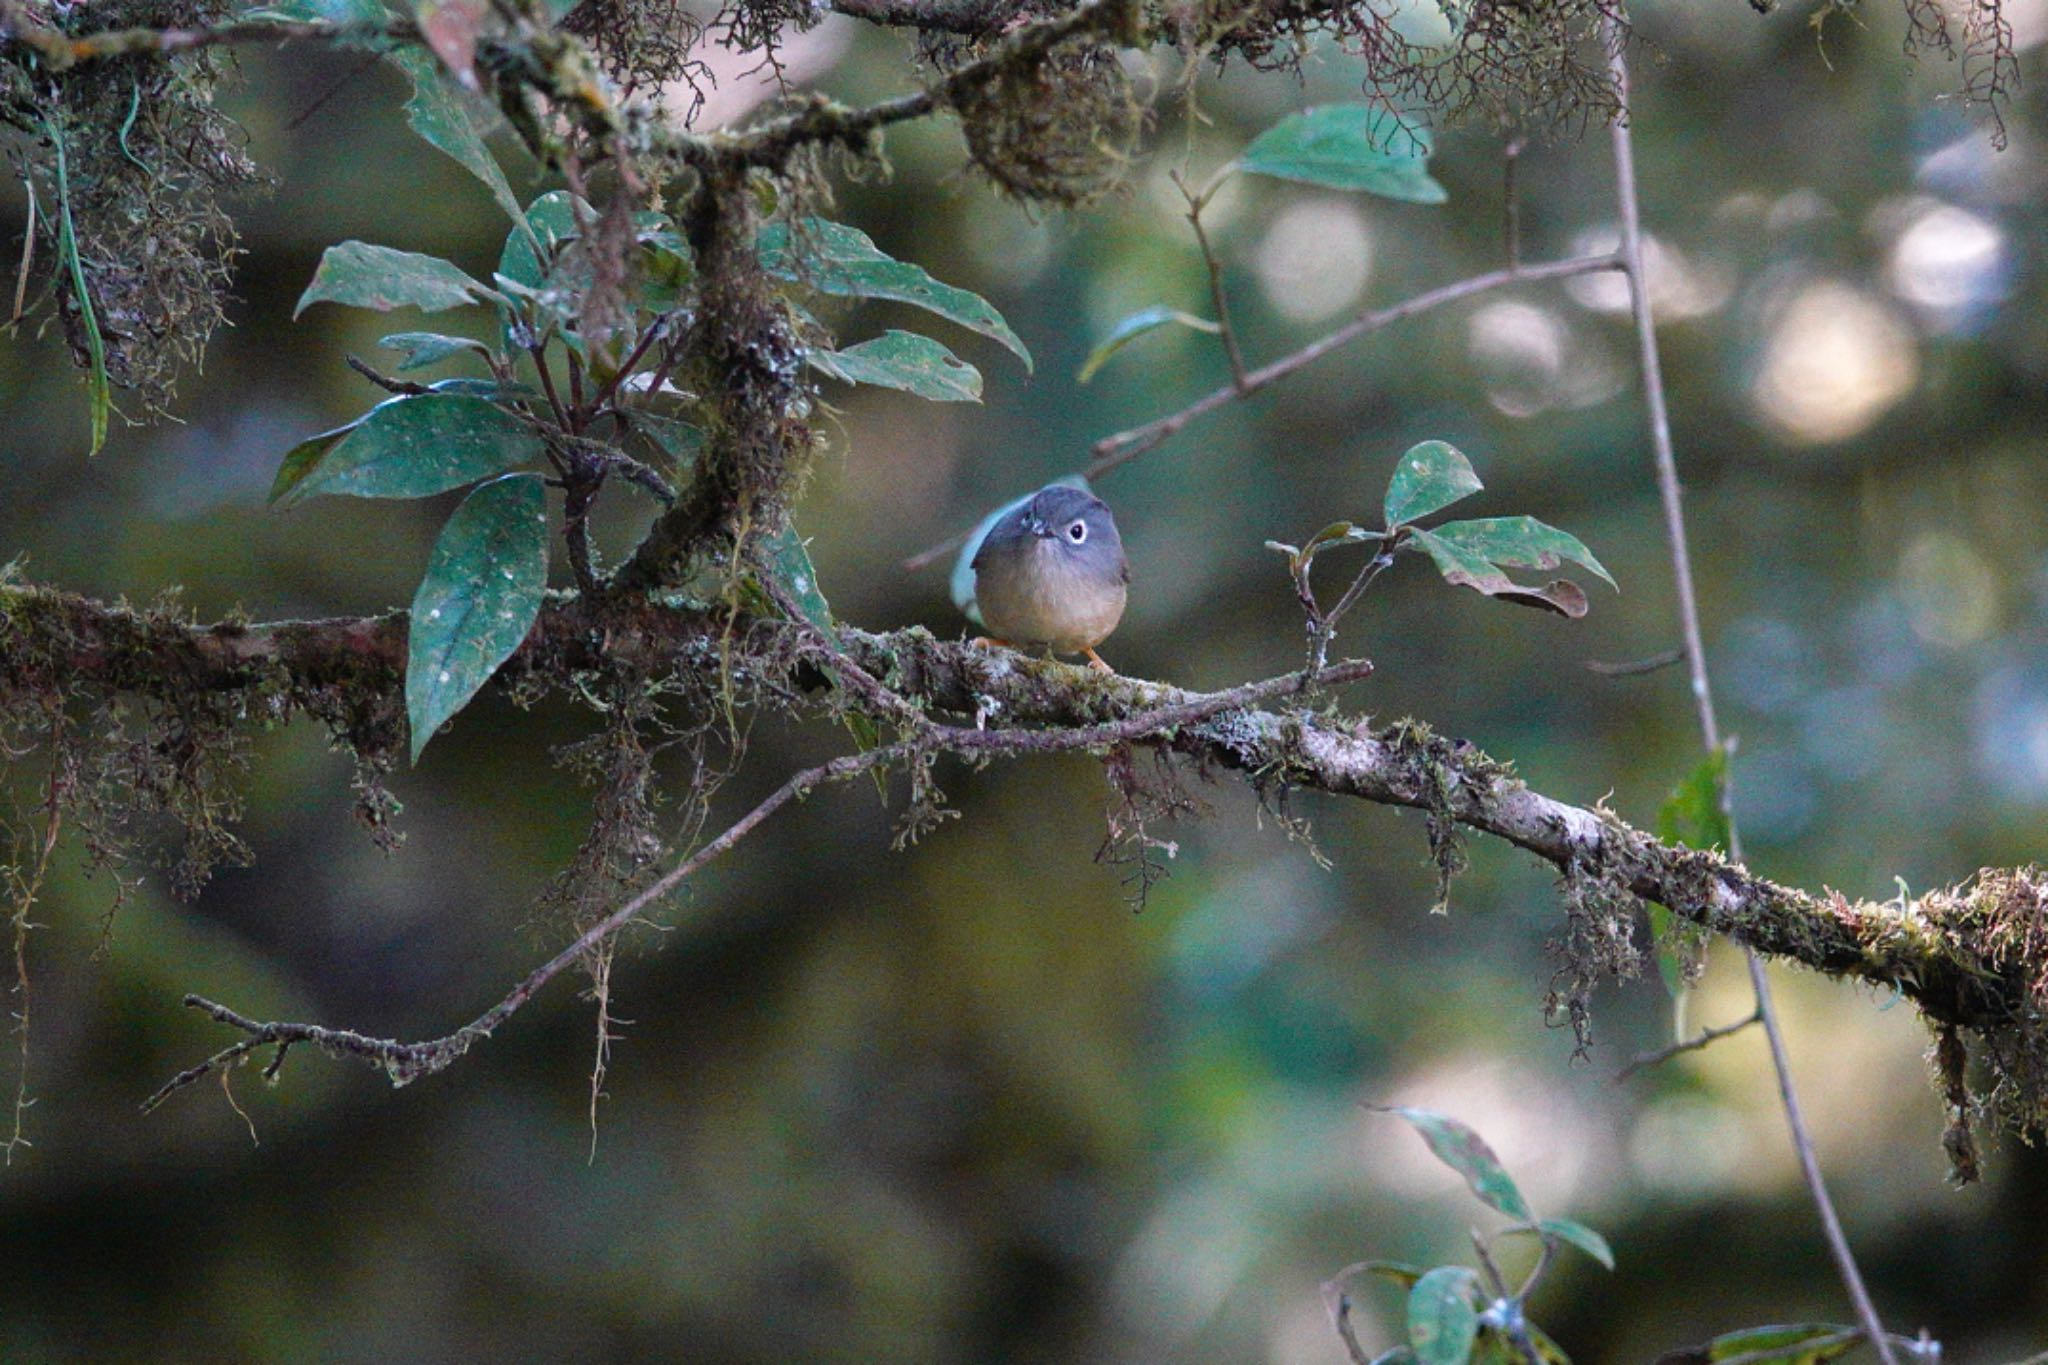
(405, 1062)
(1668, 489)
(1196, 202)
(1693, 1044)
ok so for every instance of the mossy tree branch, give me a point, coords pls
(1975, 957)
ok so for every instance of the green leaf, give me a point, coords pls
(483, 388)
(1348, 147)
(1694, 815)
(843, 261)
(1430, 477)
(676, 439)
(1522, 543)
(786, 557)
(904, 360)
(439, 113)
(1400, 1272)
(302, 458)
(320, 11)
(1135, 326)
(411, 447)
(422, 349)
(1467, 568)
(1547, 1350)
(1497, 1348)
(550, 222)
(1465, 1152)
(481, 593)
(380, 277)
(99, 391)
(1573, 1232)
(1443, 1324)
(1806, 1343)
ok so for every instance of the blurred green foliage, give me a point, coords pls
(958, 1103)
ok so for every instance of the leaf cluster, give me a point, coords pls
(572, 396)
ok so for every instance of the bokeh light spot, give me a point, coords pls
(1835, 360)
(1314, 260)
(1950, 594)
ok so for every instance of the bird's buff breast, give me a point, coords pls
(1046, 600)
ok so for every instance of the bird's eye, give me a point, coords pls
(1078, 532)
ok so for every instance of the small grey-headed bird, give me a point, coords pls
(1046, 571)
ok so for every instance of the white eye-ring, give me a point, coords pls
(1078, 532)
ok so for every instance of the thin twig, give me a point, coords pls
(1703, 698)
(1337, 1299)
(405, 1062)
(405, 388)
(1113, 451)
(1231, 349)
(1693, 1044)
(1126, 446)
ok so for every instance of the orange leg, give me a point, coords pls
(990, 642)
(1095, 662)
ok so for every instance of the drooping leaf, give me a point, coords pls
(907, 361)
(302, 458)
(412, 447)
(1443, 1322)
(1575, 1233)
(421, 349)
(99, 391)
(1131, 328)
(787, 558)
(1522, 543)
(438, 112)
(1806, 1343)
(381, 277)
(843, 261)
(1467, 1153)
(1348, 147)
(1430, 477)
(480, 595)
(1467, 568)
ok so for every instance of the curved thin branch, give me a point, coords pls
(407, 1062)
(1113, 451)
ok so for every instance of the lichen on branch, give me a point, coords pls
(1974, 957)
